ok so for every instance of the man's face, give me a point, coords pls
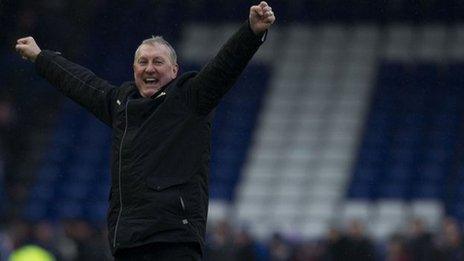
(153, 69)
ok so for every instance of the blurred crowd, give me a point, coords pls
(66, 240)
(75, 240)
(349, 243)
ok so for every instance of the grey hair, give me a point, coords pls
(157, 40)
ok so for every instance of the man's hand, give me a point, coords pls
(261, 17)
(28, 48)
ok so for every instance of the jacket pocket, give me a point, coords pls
(163, 183)
(168, 194)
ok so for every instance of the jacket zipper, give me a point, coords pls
(182, 203)
(119, 175)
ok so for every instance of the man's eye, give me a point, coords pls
(158, 62)
(142, 62)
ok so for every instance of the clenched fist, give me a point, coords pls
(28, 48)
(261, 17)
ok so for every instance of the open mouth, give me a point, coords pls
(150, 80)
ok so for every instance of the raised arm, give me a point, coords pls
(75, 81)
(218, 76)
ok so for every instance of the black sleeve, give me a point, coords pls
(207, 88)
(77, 83)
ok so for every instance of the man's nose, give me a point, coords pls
(150, 68)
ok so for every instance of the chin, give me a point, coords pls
(149, 92)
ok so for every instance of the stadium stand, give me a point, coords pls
(350, 116)
(74, 170)
(308, 130)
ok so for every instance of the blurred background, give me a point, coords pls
(342, 140)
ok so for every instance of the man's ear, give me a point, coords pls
(175, 70)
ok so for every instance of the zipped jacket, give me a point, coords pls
(160, 150)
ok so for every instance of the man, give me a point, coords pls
(161, 137)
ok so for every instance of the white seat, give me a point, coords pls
(388, 217)
(249, 213)
(319, 210)
(381, 230)
(248, 191)
(304, 144)
(314, 229)
(456, 45)
(260, 230)
(355, 210)
(319, 192)
(283, 211)
(218, 210)
(390, 209)
(430, 212)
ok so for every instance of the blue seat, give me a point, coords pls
(424, 190)
(411, 133)
(392, 190)
(399, 173)
(42, 191)
(232, 128)
(431, 172)
(95, 212)
(456, 210)
(48, 172)
(360, 190)
(219, 191)
(68, 209)
(72, 190)
(35, 210)
(98, 192)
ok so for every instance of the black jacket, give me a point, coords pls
(160, 146)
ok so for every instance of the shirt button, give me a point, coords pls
(158, 188)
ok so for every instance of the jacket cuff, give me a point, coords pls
(43, 59)
(249, 36)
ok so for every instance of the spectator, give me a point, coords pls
(358, 246)
(308, 251)
(44, 235)
(337, 245)
(19, 233)
(244, 247)
(90, 244)
(450, 242)
(420, 243)
(6, 245)
(397, 249)
(221, 246)
(279, 249)
(31, 253)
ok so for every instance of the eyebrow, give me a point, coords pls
(156, 57)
